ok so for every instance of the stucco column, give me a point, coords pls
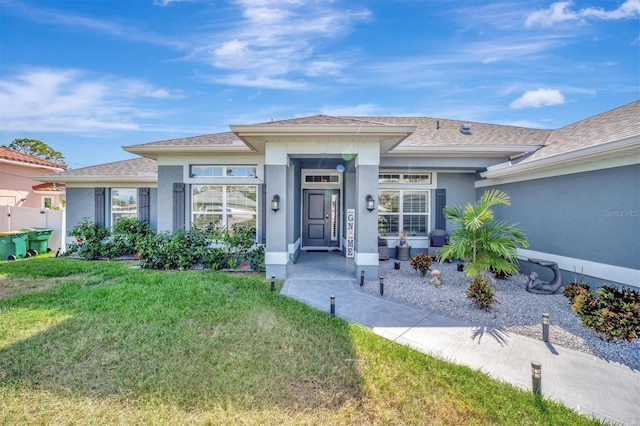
(276, 255)
(366, 226)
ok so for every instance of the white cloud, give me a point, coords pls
(561, 11)
(259, 82)
(276, 39)
(70, 100)
(538, 98)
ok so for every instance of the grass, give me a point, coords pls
(101, 343)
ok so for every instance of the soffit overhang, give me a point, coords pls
(256, 136)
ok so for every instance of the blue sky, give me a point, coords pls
(88, 77)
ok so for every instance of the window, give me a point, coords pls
(124, 203)
(205, 171)
(406, 209)
(322, 178)
(47, 202)
(421, 178)
(224, 205)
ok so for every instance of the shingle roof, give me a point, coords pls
(126, 168)
(19, 157)
(616, 124)
(326, 120)
(445, 132)
(226, 138)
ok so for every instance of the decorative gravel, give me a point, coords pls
(517, 312)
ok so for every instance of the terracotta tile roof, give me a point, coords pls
(11, 155)
(134, 167)
(616, 124)
(53, 187)
(445, 132)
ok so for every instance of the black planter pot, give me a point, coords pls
(460, 267)
(396, 265)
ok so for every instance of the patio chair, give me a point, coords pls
(437, 239)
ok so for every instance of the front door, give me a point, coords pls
(320, 221)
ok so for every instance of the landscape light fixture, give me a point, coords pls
(370, 203)
(545, 327)
(536, 377)
(275, 203)
(381, 286)
(273, 282)
(361, 279)
(332, 300)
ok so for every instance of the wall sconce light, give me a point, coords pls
(370, 203)
(275, 203)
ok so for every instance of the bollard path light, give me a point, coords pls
(333, 306)
(381, 286)
(273, 282)
(545, 327)
(536, 377)
(361, 279)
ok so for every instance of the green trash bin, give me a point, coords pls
(37, 239)
(13, 244)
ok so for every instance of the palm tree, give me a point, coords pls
(480, 241)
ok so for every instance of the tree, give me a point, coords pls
(483, 243)
(37, 149)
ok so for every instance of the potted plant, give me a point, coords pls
(484, 243)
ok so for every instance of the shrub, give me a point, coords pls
(180, 250)
(614, 314)
(89, 240)
(421, 263)
(126, 233)
(570, 291)
(481, 294)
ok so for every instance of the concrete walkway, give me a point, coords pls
(583, 382)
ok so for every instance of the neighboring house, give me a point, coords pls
(338, 183)
(17, 186)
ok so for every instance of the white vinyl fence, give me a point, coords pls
(15, 218)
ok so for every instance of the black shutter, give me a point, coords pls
(100, 207)
(144, 204)
(441, 201)
(178, 205)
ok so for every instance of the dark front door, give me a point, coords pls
(320, 218)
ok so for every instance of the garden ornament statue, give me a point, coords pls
(543, 287)
(435, 278)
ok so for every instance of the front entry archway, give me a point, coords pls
(321, 219)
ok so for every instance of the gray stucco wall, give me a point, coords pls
(167, 175)
(460, 191)
(80, 204)
(591, 216)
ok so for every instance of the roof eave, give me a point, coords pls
(604, 150)
(248, 131)
(151, 178)
(511, 151)
(154, 152)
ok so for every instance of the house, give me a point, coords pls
(338, 183)
(17, 187)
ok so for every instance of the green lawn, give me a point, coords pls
(102, 343)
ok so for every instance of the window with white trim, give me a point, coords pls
(47, 202)
(207, 171)
(406, 209)
(124, 203)
(224, 205)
